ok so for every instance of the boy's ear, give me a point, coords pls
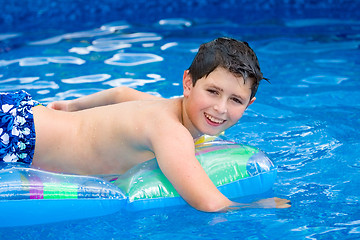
(251, 101)
(187, 83)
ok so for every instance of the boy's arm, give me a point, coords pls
(106, 97)
(176, 159)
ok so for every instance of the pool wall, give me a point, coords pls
(33, 14)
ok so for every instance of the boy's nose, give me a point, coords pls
(221, 107)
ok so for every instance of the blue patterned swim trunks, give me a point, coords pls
(17, 130)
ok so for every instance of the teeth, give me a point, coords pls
(215, 120)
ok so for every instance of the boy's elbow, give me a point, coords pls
(120, 90)
(120, 94)
(211, 206)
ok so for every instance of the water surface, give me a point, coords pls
(306, 119)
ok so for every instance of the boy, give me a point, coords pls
(111, 131)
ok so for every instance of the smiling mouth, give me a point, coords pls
(214, 120)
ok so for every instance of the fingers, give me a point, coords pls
(51, 105)
(280, 200)
(282, 203)
(283, 206)
(263, 203)
(273, 203)
(59, 105)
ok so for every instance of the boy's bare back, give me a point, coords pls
(104, 140)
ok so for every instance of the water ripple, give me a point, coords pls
(168, 45)
(6, 36)
(117, 42)
(324, 79)
(22, 80)
(104, 30)
(312, 100)
(129, 38)
(133, 83)
(37, 61)
(100, 48)
(71, 94)
(268, 111)
(319, 22)
(133, 59)
(282, 47)
(357, 222)
(175, 22)
(26, 83)
(87, 79)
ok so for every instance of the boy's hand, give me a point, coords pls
(272, 203)
(60, 105)
(263, 203)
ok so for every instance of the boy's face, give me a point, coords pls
(216, 102)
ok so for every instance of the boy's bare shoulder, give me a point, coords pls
(163, 118)
(167, 128)
(164, 110)
(150, 118)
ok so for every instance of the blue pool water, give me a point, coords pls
(306, 119)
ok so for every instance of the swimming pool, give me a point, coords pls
(307, 119)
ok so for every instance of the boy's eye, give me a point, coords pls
(236, 100)
(212, 91)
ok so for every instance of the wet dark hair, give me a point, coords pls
(230, 54)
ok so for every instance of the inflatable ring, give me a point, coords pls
(31, 196)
